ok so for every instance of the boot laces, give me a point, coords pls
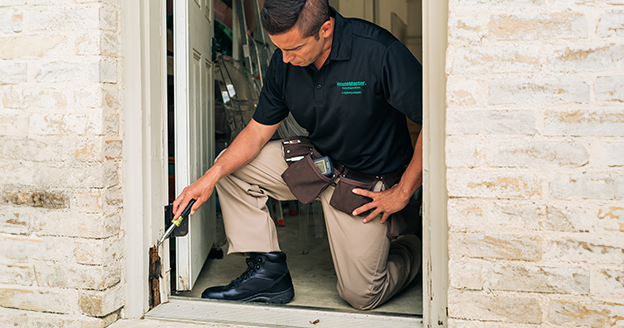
(253, 264)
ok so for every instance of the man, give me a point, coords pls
(350, 84)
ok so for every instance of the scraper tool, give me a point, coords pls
(176, 223)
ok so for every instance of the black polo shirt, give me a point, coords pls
(354, 107)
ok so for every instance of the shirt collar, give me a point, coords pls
(343, 33)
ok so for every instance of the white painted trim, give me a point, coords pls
(435, 232)
(144, 162)
(204, 311)
(135, 270)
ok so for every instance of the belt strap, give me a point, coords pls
(389, 179)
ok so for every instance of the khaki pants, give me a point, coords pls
(370, 268)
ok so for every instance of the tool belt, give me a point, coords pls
(306, 182)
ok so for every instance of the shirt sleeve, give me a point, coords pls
(402, 81)
(272, 108)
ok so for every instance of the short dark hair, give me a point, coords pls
(279, 16)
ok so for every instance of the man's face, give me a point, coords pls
(296, 50)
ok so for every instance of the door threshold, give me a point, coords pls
(197, 310)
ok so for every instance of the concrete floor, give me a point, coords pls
(313, 273)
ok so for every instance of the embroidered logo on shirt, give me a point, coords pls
(351, 87)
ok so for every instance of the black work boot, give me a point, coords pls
(266, 279)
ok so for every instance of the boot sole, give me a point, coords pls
(273, 298)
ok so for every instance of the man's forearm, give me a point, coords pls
(245, 147)
(412, 177)
(243, 150)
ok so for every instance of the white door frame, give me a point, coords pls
(435, 222)
(144, 146)
(145, 165)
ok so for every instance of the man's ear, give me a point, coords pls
(326, 29)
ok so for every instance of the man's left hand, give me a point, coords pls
(385, 202)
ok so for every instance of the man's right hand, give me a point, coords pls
(200, 190)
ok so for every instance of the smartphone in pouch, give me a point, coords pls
(324, 165)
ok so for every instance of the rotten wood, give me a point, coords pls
(155, 274)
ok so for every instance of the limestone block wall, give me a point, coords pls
(60, 155)
(535, 156)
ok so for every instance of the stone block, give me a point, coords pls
(585, 249)
(610, 24)
(524, 277)
(29, 97)
(44, 149)
(611, 217)
(21, 248)
(571, 218)
(113, 149)
(552, 89)
(496, 246)
(609, 88)
(468, 273)
(13, 221)
(41, 300)
(588, 58)
(465, 28)
(110, 124)
(494, 59)
(608, 282)
(99, 251)
(461, 5)
(52, 18)
(82, 71)
(587, 2)
(10, 3)
(460, 153)
(62, 124)
(586, 314)
(610, 154)
(90, 149)
(89, 43)
(469, 215)
(501, 308)
(458, 323)
(103, 302)
(87, 201)
(490, 122)
(10, 20)
(68, 275)
(12, 73)
(97, 43)
(88, 175)
(588, 186)
(17, 274)
(32, 319)
(50, 199)
(590, 122)
(28, 46)
(538, 26)
(492, 184)
(111, 173)
(525, 153)
(465, 92)
(86, 225)
(113, 200)
(13, 125)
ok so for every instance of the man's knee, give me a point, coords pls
(360, 298)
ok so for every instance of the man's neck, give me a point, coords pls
(326, 47)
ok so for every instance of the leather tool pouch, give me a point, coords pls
(344, 199)
(302, 177)
(407, 221)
